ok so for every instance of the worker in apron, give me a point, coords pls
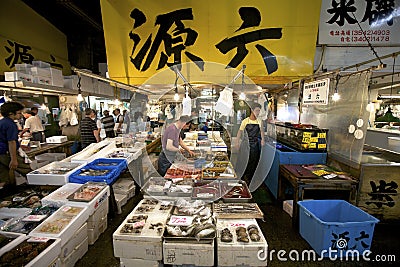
(253, 139)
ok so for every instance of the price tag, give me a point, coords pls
(205, 195)
(321, 145)
(306, 140)
(313, 145)
(321, 135)
(24, 142)
(314, 140)
(34, 218)
(180, 220)
(139, 224)
(307, 134)
(38, 239)
(237, 225)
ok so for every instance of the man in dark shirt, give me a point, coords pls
(108, 124)
(88, 129)
(170, 142)
(10, 160)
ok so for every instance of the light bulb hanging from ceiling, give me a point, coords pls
(336, 96)
(176, 96)
(79, 98)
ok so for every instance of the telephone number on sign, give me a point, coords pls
(371, 39)
(370, 32)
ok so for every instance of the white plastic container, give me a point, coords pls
(197, 254)
(56, 139)
(42, 177)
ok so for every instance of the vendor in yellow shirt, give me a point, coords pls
(252, 131)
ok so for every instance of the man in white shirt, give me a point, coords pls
(34, 125)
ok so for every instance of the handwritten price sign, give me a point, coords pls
(180, 220)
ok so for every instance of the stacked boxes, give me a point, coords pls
(97, 222)
(75, 248)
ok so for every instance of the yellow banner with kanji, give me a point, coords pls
(275, 40)
(26, 36)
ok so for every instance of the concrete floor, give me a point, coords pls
(277, 229)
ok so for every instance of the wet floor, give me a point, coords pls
(276, 227)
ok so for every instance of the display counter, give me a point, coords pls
(286, 155)
(62, 147)
(378, 137)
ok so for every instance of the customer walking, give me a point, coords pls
(10, 159)
(119, 120)
(108, 124)
(88, 129)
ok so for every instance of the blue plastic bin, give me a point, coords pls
(109, 178)
(120, 166)
(336, 226)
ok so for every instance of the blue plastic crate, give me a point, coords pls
(109, 178)
(120, 166)
(335, 225)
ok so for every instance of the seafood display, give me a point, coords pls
(57, 223)
(142, 225)
(86, 192)
(206, 190)
(59, 170)
(237, 210)
(23, 253)
(119, 155)
(183, 173)
(150, 206)
(218, 172)
(221, 156)
(226, 235)
(156, 186)
(235, 192)
(92, 172)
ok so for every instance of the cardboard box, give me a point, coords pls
(288, 207)
(79, 251)
(198, 254)
(80, 235)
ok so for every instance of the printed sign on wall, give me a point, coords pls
(341, 20)
(316, 93)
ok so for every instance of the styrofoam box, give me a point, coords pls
(48, 257)
(80, 235)
(288, 207)
(11, 76)
(56, 139)
(41, 72)
(39, 177)
(36, 164)
(58, 197)
(239, 253)
(120, 201)
(124, 186)
(96, 218)
(96, 202)
(188, 253)
(92, 153)
(51, 156)
(79, 251)
(94, 233)
(69, 230)
(139, 262)
(42, 80)
(157, 208)
(17, 238)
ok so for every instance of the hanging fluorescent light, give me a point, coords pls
(242, 96)
(335, 96)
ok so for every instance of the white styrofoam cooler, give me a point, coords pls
(94, 151)
(97, 217)
(78, 252)
(67, 232)
(17, 238)
(139, 262)
(40, 177)
(94, 233)
(240, 253)
(56, 139)
(48, 257)
(96, 202)
(124, 186)
(78, 237)
(58, 197)
(180, 253)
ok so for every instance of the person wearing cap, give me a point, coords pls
(170, 142)
(108, 124)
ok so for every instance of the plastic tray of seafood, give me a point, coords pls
(239, 243)
(180, 187)
(9, 240)
(156, 186)
(121, 154)
(219, 173)
(141, 227)
(174, 172)
(33, 251)
(62, 224)
(55, 173)
(148, 206)
(221, 156)
(235, 192)
(94, 174)
(87, 192)
(58, 197)
(237, 211)
(207, 190)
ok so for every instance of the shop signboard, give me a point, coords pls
(27, 37)
(340, 22)
(316, 92)
(272, 38)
